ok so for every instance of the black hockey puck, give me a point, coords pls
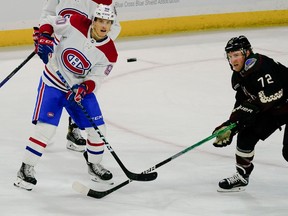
(131, 59)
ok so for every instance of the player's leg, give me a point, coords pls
(246, 141)
(46, 116)
(75, 141)
(94, 144)
(33, 152)
(94, 154)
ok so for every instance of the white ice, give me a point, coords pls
(171, 98)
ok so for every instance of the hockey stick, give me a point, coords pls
(130, 175)
(80, 188)
(17, 69)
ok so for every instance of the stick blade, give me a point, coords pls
(80, 188)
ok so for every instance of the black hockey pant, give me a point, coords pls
(260, 130)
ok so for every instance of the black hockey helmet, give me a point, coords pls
(238, 43)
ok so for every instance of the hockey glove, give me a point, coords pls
(225, 138)
(35, 37)
(245, 114)
(45, 47)
(77, 93)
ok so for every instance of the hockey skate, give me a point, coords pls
(75, 141)
(97, 172)
(237, 182)
(25, 177)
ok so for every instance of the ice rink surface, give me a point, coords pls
(172, 97)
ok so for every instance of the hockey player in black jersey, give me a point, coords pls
(261, 107)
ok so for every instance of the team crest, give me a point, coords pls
(250, 63)
(67, 12)
(50, 114)
(75, 61)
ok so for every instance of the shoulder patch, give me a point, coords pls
(249, 63)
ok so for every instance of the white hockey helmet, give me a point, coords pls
(105, 12)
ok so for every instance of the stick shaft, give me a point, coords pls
(17, 69)
(101, 194)
(190, 148)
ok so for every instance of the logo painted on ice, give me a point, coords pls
(75, 61)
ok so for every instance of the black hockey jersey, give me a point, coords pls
(261, 86)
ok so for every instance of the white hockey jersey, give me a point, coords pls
(86, 8)
(78, 56)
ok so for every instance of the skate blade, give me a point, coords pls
(72, 146)
(236, 189)
(20, 183)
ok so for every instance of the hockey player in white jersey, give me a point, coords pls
(84, 56)
(84, 7)
(66, 8)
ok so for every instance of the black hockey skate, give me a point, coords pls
(237, 182)
(97, 172)
(75, 141)
(25, 177)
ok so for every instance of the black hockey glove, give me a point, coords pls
(225, 138)
(244, 114)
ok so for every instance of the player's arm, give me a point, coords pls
(49, 9)
(45, 45)
(98, 74)
(58, 24)
(91, 83)
(101, 70)
(243, 113)
(115, 28)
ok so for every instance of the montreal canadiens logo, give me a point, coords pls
(75, 61)
(67, 12)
